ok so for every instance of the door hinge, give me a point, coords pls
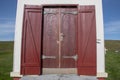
(48, 57)
(98, 40)
(73, 12)
(75, 57)
(50, 12)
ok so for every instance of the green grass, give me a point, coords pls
(112, 60)
(6, 59)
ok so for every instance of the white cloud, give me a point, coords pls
(112, 27)
(7, 19)
(7, 28)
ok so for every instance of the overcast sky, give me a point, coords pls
(111, 14)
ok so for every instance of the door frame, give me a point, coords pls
(62, 70)
(58, 5)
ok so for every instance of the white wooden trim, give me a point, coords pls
(15, 74)
(100, 36)
(18, 36)
(103, 75)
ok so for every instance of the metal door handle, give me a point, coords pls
(61, 36)
(75, 57)
(48, 57)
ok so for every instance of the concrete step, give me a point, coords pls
(59, 77)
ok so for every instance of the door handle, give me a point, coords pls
(48, 57)
(75, 57)
(61, 36)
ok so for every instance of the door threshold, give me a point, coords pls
(59, 71)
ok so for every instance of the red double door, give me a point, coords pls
(59, 37)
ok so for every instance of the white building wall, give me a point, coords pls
(99, 31)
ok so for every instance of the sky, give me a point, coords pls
(7, 19)
(111, 13)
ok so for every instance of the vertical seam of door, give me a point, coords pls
(59, 26)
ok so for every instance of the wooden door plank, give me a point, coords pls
(31, 41)
(86, 41)
(50, 38)
(68, 44)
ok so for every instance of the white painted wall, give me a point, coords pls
(99, 25)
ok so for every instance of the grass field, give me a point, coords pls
(6, 58)
(112, 59)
